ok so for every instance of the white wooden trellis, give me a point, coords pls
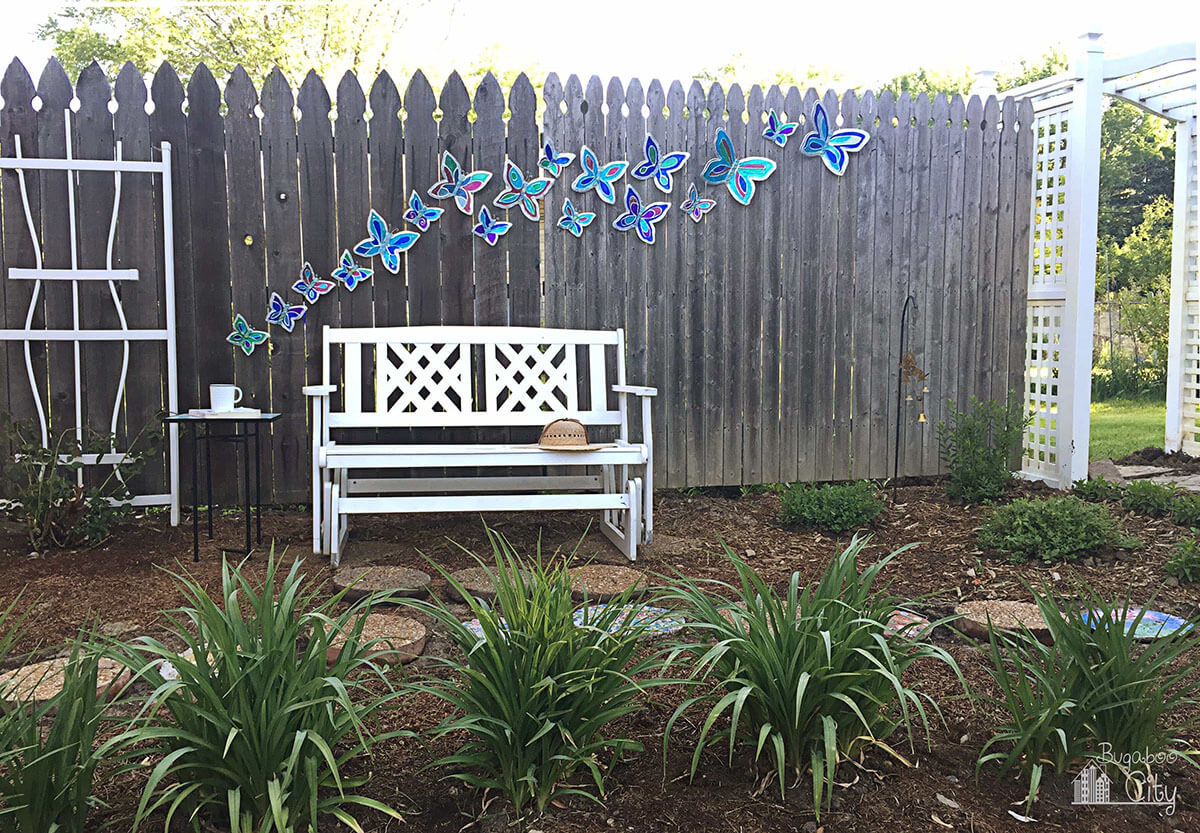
(1062, 276)
(77, 333)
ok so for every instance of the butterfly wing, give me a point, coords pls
(650, 215)
(741, 184)
(720, 169)
(513, 175)
(609, 174)
(649, 167)
(835, 159)
(397, 244)
(849, 139)
(377, 231)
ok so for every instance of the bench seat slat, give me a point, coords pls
(464, 419)
(426, 456)
(481, 503)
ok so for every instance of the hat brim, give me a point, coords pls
(587, 447)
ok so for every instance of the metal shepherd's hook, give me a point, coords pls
(909, 301)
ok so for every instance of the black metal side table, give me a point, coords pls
(244, 429)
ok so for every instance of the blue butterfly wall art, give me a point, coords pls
(245, 336)
(387, 245)
(349, 272)
(521, 192)
(777, 131)
(597, 176)
(310, 286)
(738, 174)
(640, 218)
(489, 228)
(658, 166)
(457, 184)
(553, 163)
(694, 206)
(282, 314)
(419, 215)
(833, 147)
(573, 220)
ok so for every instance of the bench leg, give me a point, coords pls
(334, 524)
(326, 513)
(623, 526)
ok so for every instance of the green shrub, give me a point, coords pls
(1184, 564)
(259, 728)
(1185, 510)
(535, 697)
(1088, 687)
(46, 777)
(1097, 490)
(42, 494)
(1154, 499)
(806, 679)
(978, 446)
(833, 506)
(1052, 529)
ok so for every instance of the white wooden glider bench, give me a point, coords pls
(475, 378)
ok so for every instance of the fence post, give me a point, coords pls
(1173, 440)
(1083, 199)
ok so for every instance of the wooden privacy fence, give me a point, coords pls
(771, 331)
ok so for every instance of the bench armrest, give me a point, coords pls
(319, 390)
(637, 390)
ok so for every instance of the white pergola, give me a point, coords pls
(1062, 273)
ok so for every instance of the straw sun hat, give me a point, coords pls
(566, 435)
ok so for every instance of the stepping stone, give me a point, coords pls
(907, 623)
(664, 623)
(1186, 482)
(603, 582)
(1154, 623)
(1139, 472)
(360, 582)
(477, 582)
(661, 622)
(404, 636)
(38, 682)
(1004, 615)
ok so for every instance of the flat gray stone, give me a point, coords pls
(1106, 469)
(1140, 472)
(1187, 482)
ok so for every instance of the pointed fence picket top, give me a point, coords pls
(771, 330)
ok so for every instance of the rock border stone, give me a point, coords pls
(1005, 615)
(37, 682)
(365, 580)
(404, 638)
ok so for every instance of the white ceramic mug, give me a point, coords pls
(223, 398)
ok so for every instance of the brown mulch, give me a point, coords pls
(125, 584)
(1154, 456)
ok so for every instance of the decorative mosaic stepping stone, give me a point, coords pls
(477, 582)
(664, 621)
(404, 636)
(603, 582)
(661, 622)
(38, 682)
(1154, 623)
(1004, 615)
(908, 624)
(360, 582)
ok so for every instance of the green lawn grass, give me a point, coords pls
(1121, 426)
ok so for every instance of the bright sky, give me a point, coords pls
(867, 41)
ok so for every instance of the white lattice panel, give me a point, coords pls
(1044, 335)
(1190, 399)
(423, 378)
(531, 377)
(1049, 199)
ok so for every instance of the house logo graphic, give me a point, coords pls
(1093, 786)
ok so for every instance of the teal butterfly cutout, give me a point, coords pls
(245, 336)
(523, 193)
(738, 174)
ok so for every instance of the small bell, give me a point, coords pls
(921, 418)
(925, 389)
(908, 398)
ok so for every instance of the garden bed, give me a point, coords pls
(124, 585)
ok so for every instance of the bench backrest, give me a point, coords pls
(446, 376)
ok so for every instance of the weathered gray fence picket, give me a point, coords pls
(771, 331)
